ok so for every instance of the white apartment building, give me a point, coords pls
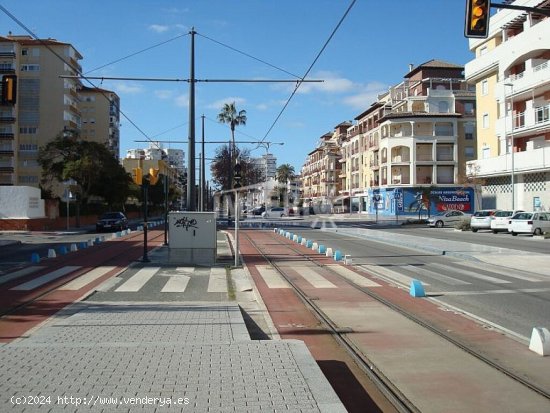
(512, 77)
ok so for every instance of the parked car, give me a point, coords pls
(447, 218)
(111, 221)
(535, 223)
(482, 219)
(500, 220)
(258, 210)
(275, 212)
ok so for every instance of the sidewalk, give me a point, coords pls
(170, 356)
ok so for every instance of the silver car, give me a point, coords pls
(447, 218)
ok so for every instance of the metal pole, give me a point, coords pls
(237, 228)
(202, 169)
(191, 147)
(144, 187)
(512, 177)
(165, 209)
(67, 195)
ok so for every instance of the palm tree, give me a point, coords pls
(233, 118)
(285, 173)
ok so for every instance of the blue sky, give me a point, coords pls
(370, 51)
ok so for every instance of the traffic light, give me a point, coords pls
(137, 176)
(237, 175)
(9, 89)
(153, 176)
(477, 18)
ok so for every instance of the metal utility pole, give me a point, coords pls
(202, 186)
(191, 193)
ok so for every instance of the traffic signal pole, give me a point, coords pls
(145, 188)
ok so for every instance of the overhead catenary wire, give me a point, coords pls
(309, 69)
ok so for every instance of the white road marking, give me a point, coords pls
(271, 277)
(353, 276)
(525, 290)
(138, 280)
(435, 275)
(508, 272)
(313, 277)
(176, 284)
(385, 272)
(19, 273)
(473, 274)
(87, 278)
(37, 282)
(217, 283)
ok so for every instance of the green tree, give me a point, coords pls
(230, 116)
(221, 164)
(285, 173)
(90, 164)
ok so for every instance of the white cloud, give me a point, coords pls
(163, 94)
(159, 28)
(366, 95)
(182, 101)
(332, 83)
(219, 103)
(128, 88)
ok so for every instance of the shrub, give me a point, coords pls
(463, 225)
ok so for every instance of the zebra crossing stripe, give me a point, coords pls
(138, 280)
(313, 277)
(176, 284)
(87, 278)
(435, 275)
(271, 277)
(472, 274)
(385, 272)
(46, 278)
(508, 272)
(352, 276)
(217, 282)
(19, 273)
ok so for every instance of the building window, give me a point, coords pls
(485, 123)
(469, 151)
(484, 87)
(469, 108)
(28, 130)
(486, 152)
(469, 131)
(30, 68)
(28, 179)
(443, 107)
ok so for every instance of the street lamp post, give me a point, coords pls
(512, 174)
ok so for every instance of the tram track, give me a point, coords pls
(393, 394)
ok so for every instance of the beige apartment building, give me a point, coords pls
(46, 104)
(511, 73)
(416, 137)
(320, 172)
(100, 113)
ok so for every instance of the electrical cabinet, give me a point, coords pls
(192, 237)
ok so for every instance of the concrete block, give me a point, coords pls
(540, 341)
(299, 239)
(329, 252)
(417, 289)
(309, 243)
(51, 253)
(304, 241)
(35, 258)
(295, 238)
(348, 260)
(63, 250)
(314, 246)
(73, 248)
(322, 249)
(337, 255)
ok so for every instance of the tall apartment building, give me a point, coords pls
(416, 137)
(511, 72)
(46, 104)
(100, 113)
(320, 172)
(268, 165)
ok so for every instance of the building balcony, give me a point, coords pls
(533, 78)
(527, 123)
(7, 179)
(531, 160)
(7, 70)
(6, 54)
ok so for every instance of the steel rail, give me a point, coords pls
(439, 332)
(392, 393)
